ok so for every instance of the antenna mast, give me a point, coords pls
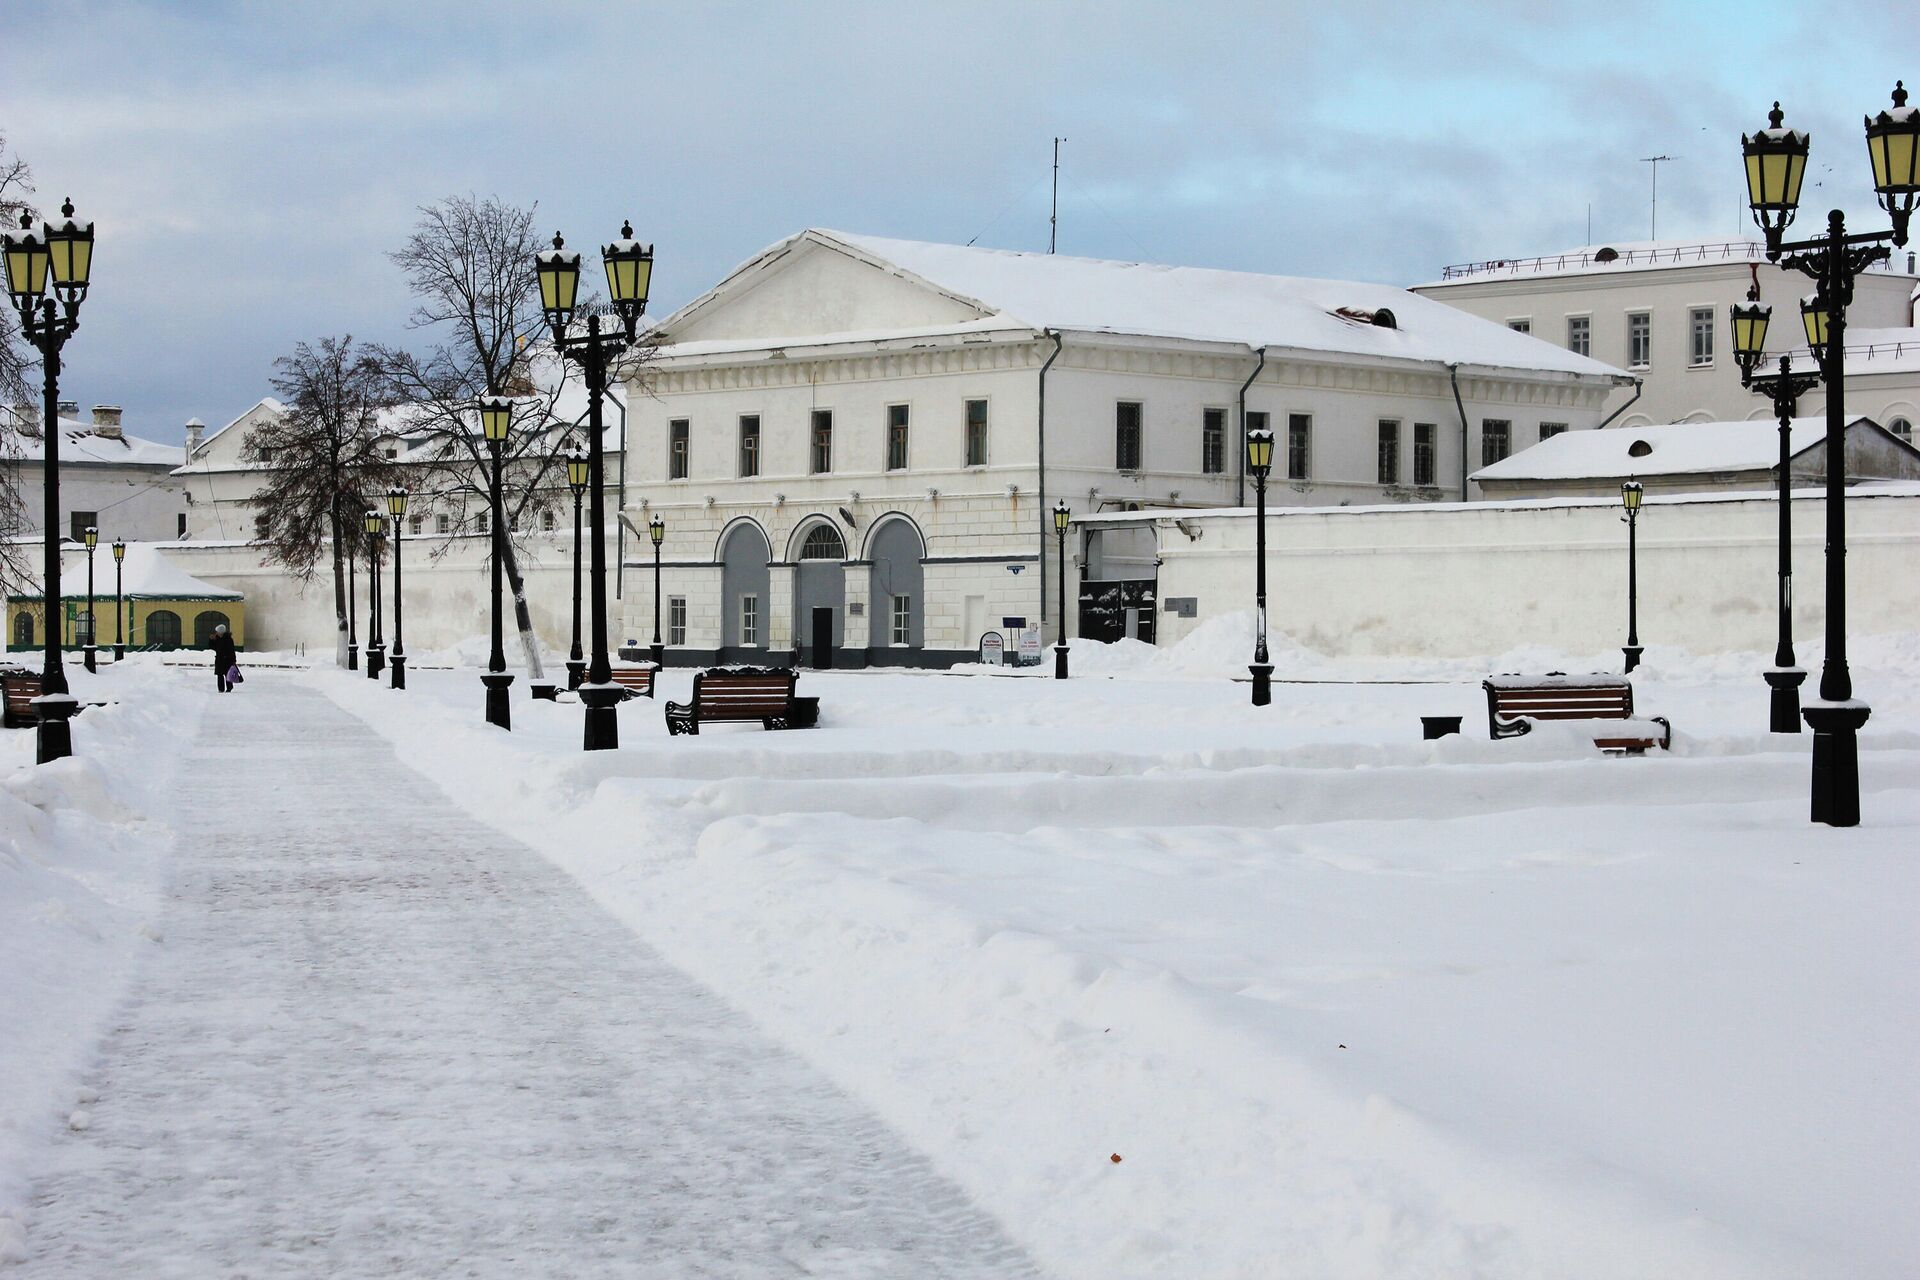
(1653, 227)
(1053, 219)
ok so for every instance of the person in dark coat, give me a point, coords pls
(225, 659)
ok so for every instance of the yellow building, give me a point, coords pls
(164, 607)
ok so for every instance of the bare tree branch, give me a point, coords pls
(17, 362)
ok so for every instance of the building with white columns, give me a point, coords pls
(855, 443)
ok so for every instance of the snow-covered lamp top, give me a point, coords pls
(70, 248)
(629, 275)
(26, 254)
(1776, 162)
(559, 272)
(1893, 143)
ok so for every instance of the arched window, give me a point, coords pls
(1902, 428)
(823, 543)
(23, 629)
(163, 629)
(203, 625)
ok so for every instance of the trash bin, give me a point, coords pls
(1438, 726)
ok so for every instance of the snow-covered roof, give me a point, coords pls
(1036, 291)
(1613, 258)
(1681, 448)
(83, 444)
(147, 575)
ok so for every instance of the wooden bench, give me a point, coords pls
(20, 689)
(637, 681)
(749, 693)
(1600, 704)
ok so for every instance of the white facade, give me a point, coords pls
(121, 484)
(1673, 287)
(1103, 385)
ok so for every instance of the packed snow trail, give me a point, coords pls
(381, 1039)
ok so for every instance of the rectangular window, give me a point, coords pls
(1580, 335)
(679, 443)
(822, 461)
(1213, 441)
(1548, 430)
(1299, 445)
(264, 455)
(485, 521)
(180, 530)
(1700, 336)
(1389, 451)
(749, 444)
(976, 433)
(750, 620)
(1423, 433)
(1126, 435)
(896, 437)
(443, 523)
(1255, 421)
(546, 522)
(902, 630)
(1639, 339)
(1496, 440)
(416, 525)
(1522, 325)
(676, 619)
(78, 521)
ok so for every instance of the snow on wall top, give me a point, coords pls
(1681, 448)
(1871, 351)
(1616, 257)
(1048, 291)
(81, 444)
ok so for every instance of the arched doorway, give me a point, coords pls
(819, 591)
(896, 585)
(163, 629)
(23, 630)
(203, 624)
(744, 554)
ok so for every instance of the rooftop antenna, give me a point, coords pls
(1653, 228)
(1053, 219)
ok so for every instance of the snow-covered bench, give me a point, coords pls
(745, 693)
(20, 688)
(637, 681)
(1603, 705)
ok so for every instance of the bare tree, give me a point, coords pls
(16, 366)
(470, 265)
(325, 460)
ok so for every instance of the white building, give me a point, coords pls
(855, 443)
(1659, 310)
(1883, 379)
(121, 484)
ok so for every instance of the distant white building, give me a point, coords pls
(1883, 379)
(1695, 457)
(855, 443)
(121, 484)
(1659, 310)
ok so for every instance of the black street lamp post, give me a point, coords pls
(1259, 463)
(629, 266)
(656, 533)
(1784, 390)
(397, 508)
(578, 475)
(1062, 518)
(375, 525)
(1776, 161)
(1630, 494)
(62, 250)
(90, 650)
(119, 603)
(496, 423)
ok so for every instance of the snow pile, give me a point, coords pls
(83, 850)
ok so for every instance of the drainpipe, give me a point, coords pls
(1240, 483)
(1637, 385)
(1058, 342)
(1453, 371)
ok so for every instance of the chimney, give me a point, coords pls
(106, 421)
(26, 419)
(195, 429)
(69, 408)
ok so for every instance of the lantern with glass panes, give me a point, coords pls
(579, 473)
(1893, 145)
(119, 601)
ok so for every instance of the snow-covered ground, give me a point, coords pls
(1343, 1002)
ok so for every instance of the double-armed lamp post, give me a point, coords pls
(579, 472)
(397, 660)
(90, 650)
(1062, 518)
(1784, 389)
(119, 602)
(60, 253)
(656, 534)
(629, 266)
(1630, 494)
(496, 425)
(1776, 163)
(375, 524)
(1259, 464)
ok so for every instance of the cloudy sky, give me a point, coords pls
(250, 164)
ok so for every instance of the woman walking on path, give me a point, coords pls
(226, 663)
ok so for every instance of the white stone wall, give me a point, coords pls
(139, 504)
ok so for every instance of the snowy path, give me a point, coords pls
(383, 1040)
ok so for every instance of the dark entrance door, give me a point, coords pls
(823, 638)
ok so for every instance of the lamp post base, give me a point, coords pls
(1262, 683)
(1784, 715)
(660, 655)
(1059, 662)
(1633, 652)
(1836, 761)
(603, 726)
(499, 710)
(353, 657)
(55, 735)
(119, 653)
(576, 672)
(399, 668)
(376, 660)
(89, 653)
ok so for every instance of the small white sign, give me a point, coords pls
(993, 649)
(1030, 646)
